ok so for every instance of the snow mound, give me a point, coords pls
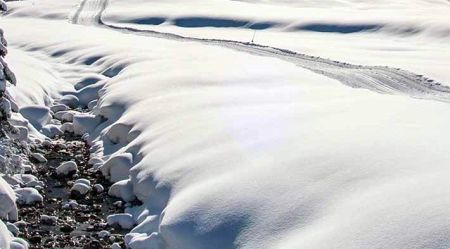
(8, 207)
(28, 195)
(38, 116)
(67, 168)
(231, 149)
(124, 221)
(122, 189)
(117, 168)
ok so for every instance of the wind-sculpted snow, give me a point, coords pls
(234, 145)
(236, 150)
(376, 78)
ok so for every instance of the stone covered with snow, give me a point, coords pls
(67, 168)
(125, 221)
(28, 195)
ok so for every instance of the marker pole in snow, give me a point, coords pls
(253, 38)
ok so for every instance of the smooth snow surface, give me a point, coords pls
(236, 145)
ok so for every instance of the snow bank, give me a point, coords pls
(39, 82)
(5, 236)
(232, 150)
(8, 207)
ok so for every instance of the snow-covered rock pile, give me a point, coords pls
(14, 157)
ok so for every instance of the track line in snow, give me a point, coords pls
(380, 79)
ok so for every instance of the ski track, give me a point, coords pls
(381, 79)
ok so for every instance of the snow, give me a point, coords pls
(67, 168)
(67, 127)
(124, 221)
(51, 130)
(38, 116)
(98, 188)
(104, 234)
(117, 168)
(153, 241)
(12, 228)
(5, 236)
(80, 189)
(68, 116)
(49, 219)
(122, 189)
(116, 246)
(58, 108)
(84, 181)
(28, 195)
(18, 243)
(148, 226)
(39, 157)
(72, 204)
(83, 123)
(228, 146)
(70, 100)
(5, 105)
(8, 207)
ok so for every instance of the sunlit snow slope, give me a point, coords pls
(237, 145)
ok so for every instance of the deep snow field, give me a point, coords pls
(231, 144)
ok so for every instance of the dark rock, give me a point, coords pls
(76, 195)
(35, 239)
(81, 218)
(93, 244)
(66, 228)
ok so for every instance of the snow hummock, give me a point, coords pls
(117, 168)
(67, 168)
(38, 116)
(104, 234)
(58, 108)
(5, 236)
(98, 188)
(123, 190)
(124, 221)
(49, 219)
(12, 228)
(8, 207)
(28, 195)
(116, 246)
(39, 157)
(80, 189)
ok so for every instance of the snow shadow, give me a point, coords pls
(149, 20)
(199, 22)
(337, 28)
(196, 22)
(186, 231)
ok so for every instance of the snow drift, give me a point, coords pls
(228, 149)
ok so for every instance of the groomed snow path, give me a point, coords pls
(381, 79)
